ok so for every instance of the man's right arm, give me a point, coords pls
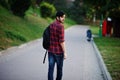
(63, 48)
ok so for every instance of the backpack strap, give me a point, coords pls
(45, 56)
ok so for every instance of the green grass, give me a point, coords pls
(110, 50)
(15, 30)
(69, 22)
(95, 29)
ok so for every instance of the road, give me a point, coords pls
(25, 62)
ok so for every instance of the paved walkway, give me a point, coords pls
(82, 62)
(25, 62)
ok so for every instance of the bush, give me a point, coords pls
(19, 7)
(4, 4)
(47, 10)
(14, 36)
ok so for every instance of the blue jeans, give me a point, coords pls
(58, 59)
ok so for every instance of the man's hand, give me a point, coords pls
(65, 55)
(63, 47)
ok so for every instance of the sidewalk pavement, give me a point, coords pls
(82, 62)
(25, 62)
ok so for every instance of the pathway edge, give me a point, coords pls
(103, 67)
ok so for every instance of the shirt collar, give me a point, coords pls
(58, 22)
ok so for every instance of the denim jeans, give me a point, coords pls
(58, 59)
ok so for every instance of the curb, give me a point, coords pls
(105, 73)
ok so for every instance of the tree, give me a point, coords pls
(19, 7)
(4, 3)
(107, 8)
(38, 2)
(49, 1)
(59, 4)
(77, 11)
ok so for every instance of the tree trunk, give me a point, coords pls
(116, 28)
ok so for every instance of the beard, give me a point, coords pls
(61, 21)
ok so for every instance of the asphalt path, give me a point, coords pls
(25, 62)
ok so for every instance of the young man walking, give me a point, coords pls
(57, 52)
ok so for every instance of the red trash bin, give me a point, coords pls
(109, 26)
(104, 28)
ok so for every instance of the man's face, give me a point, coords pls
(61, 19)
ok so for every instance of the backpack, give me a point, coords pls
(46, 41)
(46, 38)
(89, 34)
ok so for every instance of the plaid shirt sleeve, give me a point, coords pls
(61, 33)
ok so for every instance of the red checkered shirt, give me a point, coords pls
(56, 37)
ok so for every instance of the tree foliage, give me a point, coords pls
(77, 11)
(38, 2)
(19, 7)
(107, 8)
(59, 4)
(103, 6)
(4, 3)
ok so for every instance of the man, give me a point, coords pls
(57, 52)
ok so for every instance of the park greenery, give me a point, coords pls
(16, 30)
(25, 20)
(110, 50)
(47, 10)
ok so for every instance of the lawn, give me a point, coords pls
(15, 30)
(110, 50)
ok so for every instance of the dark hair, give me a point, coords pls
(60, 14)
